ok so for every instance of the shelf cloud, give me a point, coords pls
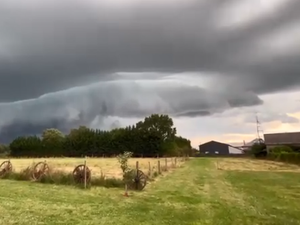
(64, 63)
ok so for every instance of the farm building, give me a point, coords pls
(277, 139)
(218, 148)
(247, 146)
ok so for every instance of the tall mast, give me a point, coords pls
(259, 129)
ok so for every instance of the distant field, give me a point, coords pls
(236, 164)
(211, 191)
(108, 166)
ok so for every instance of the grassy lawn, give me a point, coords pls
(198, 193)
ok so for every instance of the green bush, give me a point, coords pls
(288, 157)
(258, 150)
(281, 149)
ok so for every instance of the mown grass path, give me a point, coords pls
(198, 193)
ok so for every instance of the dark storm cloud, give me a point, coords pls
(124, 99)
(93, 104)
(247, 99)
(59, 44)
(55, 45)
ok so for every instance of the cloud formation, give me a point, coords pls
(92, 104)
(42, 44)
(65, 63)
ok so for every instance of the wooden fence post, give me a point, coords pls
(166, 164)
(149, 169)
(137, 165)
(158, 167)
(85, 172)
(175, 161)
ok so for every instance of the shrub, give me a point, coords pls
(23, 175)
(259, 150)
(123, 160)
(155, 174)
(288, 157)
(281, 149)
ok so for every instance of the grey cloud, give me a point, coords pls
(20, 127)
(115, 124)
(246, 99)
(51, 46)
(47, 49)
(124, 99)
(194, 113)
(91, 105)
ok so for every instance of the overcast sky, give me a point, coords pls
(210, 64)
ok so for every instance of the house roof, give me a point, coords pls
(213, 142)
(282, 138)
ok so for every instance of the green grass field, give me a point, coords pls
(197, 193)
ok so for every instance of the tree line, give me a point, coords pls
(154, 136)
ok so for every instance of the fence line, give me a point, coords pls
(151, 169)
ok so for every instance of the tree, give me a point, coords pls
(30, 146)
(80, 142)
(159, 130)
(259, 149)
(155, 135)
(162, 125)
(52, 140)
(52, 134)
(184, 146)
(4, 149)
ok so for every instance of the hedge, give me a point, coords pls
(288, 157)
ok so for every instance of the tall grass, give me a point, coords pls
(62, 178)
(65, 177)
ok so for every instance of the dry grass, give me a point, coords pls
(241, 164)
(109, 167)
